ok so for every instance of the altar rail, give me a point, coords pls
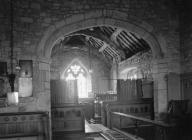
(106, 97)
(23, 125)
(140, 107)
(157, 130)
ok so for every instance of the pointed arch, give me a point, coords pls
(76, 70)
(71, 63)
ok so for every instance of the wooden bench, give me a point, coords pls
(24, 126)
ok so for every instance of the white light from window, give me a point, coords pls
(76, 72)
(70, 77)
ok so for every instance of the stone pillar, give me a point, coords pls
(160, 70)
(155, 89)
(41, 80)
(114, 76)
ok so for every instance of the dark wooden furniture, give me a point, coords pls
(96, 130)
(63, 92)
(106, 97)
(68, 118)
(140, 107)
(104, 111)
(2, 102)
(158, 129)
(101, 99)
(116, 134)
(134, 89)
(24, 126)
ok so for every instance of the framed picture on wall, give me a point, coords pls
(26, 68)
(3, 68)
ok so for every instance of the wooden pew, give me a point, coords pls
(24, 126)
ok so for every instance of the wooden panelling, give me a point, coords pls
(106, 97)
(129, 89)
(143, 108)
(68, 118)
(63, 92)
(147, 128)
(186, 85)
(99, 99)
(25, 124)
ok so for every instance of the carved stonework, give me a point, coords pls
(138, 58)
(139, 65)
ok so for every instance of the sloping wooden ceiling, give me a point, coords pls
(114, 43)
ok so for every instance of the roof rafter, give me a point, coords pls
(102, 38)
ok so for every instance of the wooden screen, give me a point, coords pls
(63, 92)
(68, 118)
(129, 89)
(24, 125)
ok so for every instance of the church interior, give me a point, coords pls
(95, 70)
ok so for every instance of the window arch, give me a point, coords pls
(77, 71)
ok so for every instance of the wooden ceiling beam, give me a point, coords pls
(135, 40)
(103, 47)
(113, 45)
(89, 43)
(127, 43)
(141, 41)
(134, 43)
(101, 37)
(115, 34)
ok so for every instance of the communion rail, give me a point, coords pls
(146, 128)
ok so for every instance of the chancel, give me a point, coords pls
(95, 70)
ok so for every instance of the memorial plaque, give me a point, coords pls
(25, 87)
(26, 68)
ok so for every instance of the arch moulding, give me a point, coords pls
(97, 18)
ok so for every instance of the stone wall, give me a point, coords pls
(40, 100)
(34, 21)
(186, 36)
(139, 65)
(186, 49)
(32, 18)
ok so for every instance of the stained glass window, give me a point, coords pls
(76, 72)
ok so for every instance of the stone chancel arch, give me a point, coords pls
(98, 18)
(110, 18)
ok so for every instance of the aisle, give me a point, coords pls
(91, 133)
(94, 128)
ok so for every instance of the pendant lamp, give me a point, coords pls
(12, 97)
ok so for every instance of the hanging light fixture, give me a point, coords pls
(12, 96)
